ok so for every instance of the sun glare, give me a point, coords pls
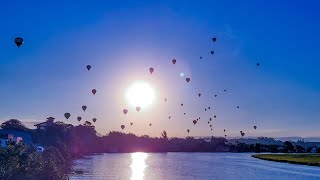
(140, 94)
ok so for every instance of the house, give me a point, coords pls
(15, 135)
(45, 125)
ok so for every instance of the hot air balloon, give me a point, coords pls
(188, 80)
(94, 119)
(138, 108)
(184, 113)
(79, 118)
(208, 122)
(169, 117)
(88, 67)
(214, 39)
(194, 122)
(211, 129)
(205, 109)
(174, 61)
(165, 99)
(199, 118)
(224, 130)
(150, 124)
(200, 57)
(188, 130)
(122, 126)
(212, 52)
(131, 123)
(258, 64)
(181, 104)
(125, 111)
(18, 41)
(210, 125)
(215, 95)
(210, 119)
(238, 107)
(151, 70)
(225, 90)
(215, 116)
(209, 107)
(199, 94)
(94, 91)
(67, 115)
(255, 127)
(225, 135)
(84, 108)
(242, 134)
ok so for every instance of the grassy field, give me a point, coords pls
(306, 159)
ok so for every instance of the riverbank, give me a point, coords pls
(305, 159)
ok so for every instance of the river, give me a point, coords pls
(188, 166)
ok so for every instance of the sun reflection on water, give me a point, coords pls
(138, 165)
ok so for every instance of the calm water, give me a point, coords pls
(185, 166)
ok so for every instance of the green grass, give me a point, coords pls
(306, 159)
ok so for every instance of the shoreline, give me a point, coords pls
(302, 159)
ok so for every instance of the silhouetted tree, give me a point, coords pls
(13, 124)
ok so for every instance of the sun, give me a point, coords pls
(140, 94)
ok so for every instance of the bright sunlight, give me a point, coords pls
(140, 94)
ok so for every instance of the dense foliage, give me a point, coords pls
(22, 162)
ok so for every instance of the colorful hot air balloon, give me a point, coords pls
(188, 130)
(94, 91)
(84, 108)
(94, 119)
(67, 115)
(151, 70)
(138, 108)
(174, 61)
(88, 67)
(214, 39)
(122, 126)
(194, 122)
(18, 41)
(188, 80)
(125, 111)
(79, 118)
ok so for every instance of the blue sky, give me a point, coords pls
(122, 39)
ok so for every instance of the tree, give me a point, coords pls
(13, 124)
(288, 146)
(164, 135)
